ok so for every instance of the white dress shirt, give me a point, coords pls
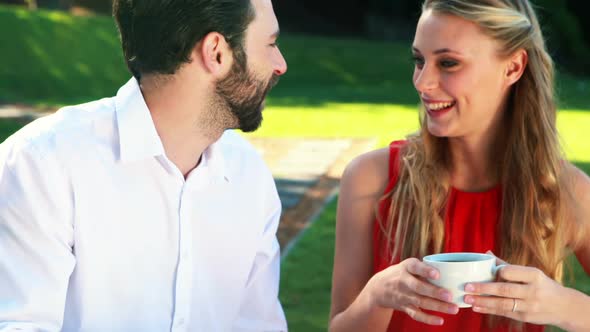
(99, 231)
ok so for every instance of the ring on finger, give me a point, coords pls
(514, 305)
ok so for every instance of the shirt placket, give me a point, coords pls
(184, 273)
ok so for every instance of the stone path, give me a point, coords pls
(22, 112)
(307, 171)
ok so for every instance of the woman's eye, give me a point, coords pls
(418, 61)
(448, 63)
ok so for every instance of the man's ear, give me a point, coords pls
(215, 54)
(516, 66)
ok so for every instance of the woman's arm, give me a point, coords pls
(360, 301)
(582, 195)
(363, 183)
(579, 319)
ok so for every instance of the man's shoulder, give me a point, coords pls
(69, 126)
(231, 139)
(235, 145)
(240, 154)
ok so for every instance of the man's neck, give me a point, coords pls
(182, 119)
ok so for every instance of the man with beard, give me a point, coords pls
(142, 212)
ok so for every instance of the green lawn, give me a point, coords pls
(8, 127)
(50, 58)
(334, 88)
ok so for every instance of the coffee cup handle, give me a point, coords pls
(497, 268)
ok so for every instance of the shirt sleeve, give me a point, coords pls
(36, 239)
(261, 309)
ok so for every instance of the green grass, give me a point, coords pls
(389, 121)
(7, 127)
(51, 58)
(55, 59)
(334, 88)
(306, 275)
(580, 280)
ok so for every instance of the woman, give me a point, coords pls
(484, 173)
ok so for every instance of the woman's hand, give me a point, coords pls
(404, 287)
(524, 293)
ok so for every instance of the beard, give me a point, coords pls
(240, 97)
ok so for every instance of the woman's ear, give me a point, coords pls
(215, 54)
(516, 66)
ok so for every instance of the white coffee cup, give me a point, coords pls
(459, 268)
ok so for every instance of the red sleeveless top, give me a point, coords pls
(470, 226)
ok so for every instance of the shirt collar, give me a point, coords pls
(138, 138)
(215, 159)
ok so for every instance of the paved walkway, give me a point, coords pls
(21, 111)
(307, 171)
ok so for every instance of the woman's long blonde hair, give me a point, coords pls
(532, 227)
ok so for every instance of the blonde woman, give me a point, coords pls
(485, 173)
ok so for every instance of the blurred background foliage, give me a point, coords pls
(566, 28)
(564, 22)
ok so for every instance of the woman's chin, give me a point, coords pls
(437, 130)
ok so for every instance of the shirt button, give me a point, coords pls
(180, 321)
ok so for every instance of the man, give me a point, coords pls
(141, 212)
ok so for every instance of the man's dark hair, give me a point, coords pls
(158, 36)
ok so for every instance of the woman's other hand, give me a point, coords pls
(522, 293)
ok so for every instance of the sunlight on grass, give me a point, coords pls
(21, 13)
(574, 126)
(340, 120)
(389, 122)
(60, 17)
(57, 59)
